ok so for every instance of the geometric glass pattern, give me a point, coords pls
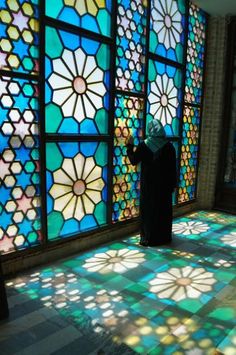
(167, 28)
(126, 177)
(130, 41)
(77, 76)
(195, 55)
(92, 15)
(76, 187)
(164, 95)
(19, 165)
(19, 37)
(189, 154)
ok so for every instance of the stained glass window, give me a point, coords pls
(19, 37)
(164, 95)
(76, 187)
(77, 82)
(19, 165)
(189, 154)
(167, 28)
(93, 15)
(126, 178)
(131, 40)
(195, 55)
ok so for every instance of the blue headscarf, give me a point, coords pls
(156, 136)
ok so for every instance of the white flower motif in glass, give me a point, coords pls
(166, 20)
(180, 283)
(229, 239)
(77, 187)
(163, 99)
(77, 84)
(187, 228)
(115, 260)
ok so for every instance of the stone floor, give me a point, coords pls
(122, 298)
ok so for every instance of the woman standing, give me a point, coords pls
(158, 181)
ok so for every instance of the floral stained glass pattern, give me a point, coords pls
(19, 37)
(115, 261)
(76, 84)
(19, 165)
(76, 186)
(126, 178)
(191, 227)
(167, 26)
(164, 95)
(189, 154)
(92, 15)
(130, 40)
(195, 55)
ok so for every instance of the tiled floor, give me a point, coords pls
(123, 299)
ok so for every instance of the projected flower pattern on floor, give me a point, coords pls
(191, 227)
(229, 239)
(78, 86)
(77, 188)
(181, 283)
(114, 260)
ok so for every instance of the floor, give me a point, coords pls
(122, 298)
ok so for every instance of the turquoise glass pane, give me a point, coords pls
(167, 28)
(19, 165)
(126, 178)
(195, 55)
(189, 154)
(164, 96)
(92, 15)
(19, 36)
(76, 187)
(130, 41)
(77, 84)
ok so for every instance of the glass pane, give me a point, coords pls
(19, 165)
(92, 15)
(77, 82)
(130, 42)
(76, 187)
(195, 55)
(189, 154)
(126, 178)
(167, 25)
(164, 95)
(19, 36)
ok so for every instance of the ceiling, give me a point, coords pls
(217, 7)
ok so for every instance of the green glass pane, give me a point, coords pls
(126, 178)
(92, 15)
(76, 187)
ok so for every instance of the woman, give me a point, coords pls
(158, 181)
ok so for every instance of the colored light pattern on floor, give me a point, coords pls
(130, 41)
(77, 80)
(92, 15)
(19, 165)
(125, 299)
(126, 178)
(167, 28)
(76, 201)
(19, 28)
